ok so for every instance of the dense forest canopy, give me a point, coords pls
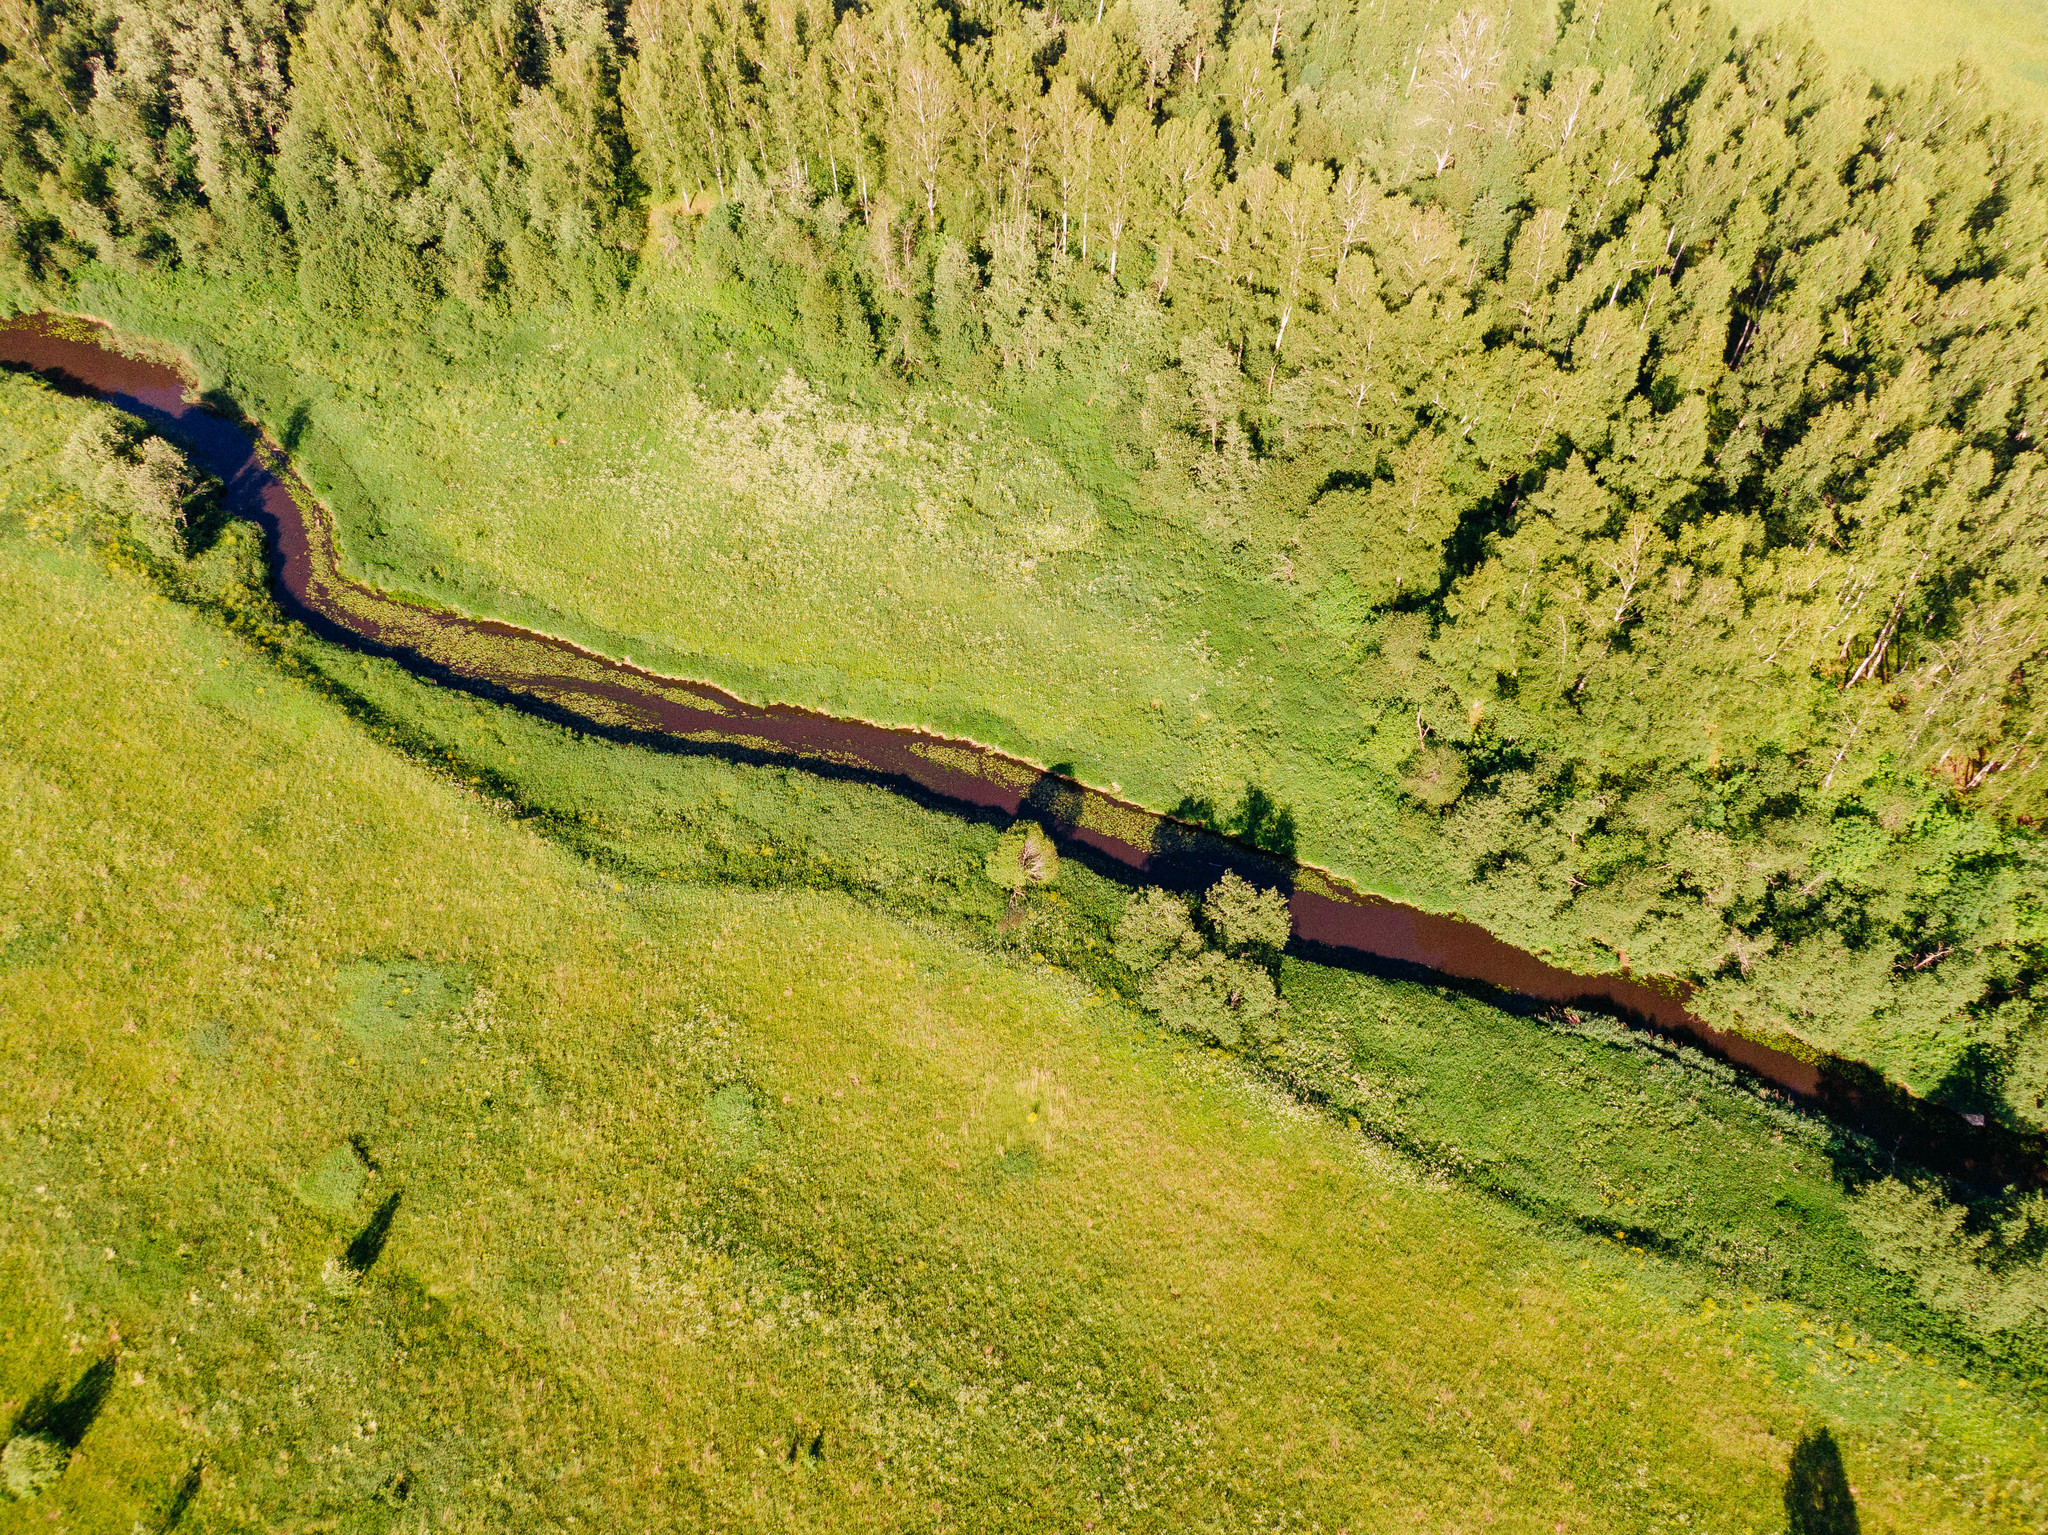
(1654, 409)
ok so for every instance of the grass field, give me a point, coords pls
(767, 1185)
(642, 486)
(2004, 41)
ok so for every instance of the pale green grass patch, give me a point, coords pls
(1894, 41)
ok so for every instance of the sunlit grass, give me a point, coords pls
(917, 559)
(2004, 41)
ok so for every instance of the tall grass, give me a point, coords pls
(655, 484)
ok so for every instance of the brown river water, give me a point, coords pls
(1333, 923)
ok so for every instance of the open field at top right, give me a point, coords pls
(2006, 41)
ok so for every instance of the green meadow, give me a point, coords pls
(2004, 42)
(661, 484)
(418, 1117)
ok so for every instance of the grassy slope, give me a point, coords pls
(2005, 41)
(693, 1171)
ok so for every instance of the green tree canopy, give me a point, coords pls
(1246, 920)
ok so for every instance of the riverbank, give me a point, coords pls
(633, 482)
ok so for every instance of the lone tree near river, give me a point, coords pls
(112, 462)
(1213, 980)
(1023, 856)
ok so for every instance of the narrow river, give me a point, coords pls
(1333, 923)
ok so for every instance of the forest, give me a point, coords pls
(1646, 412)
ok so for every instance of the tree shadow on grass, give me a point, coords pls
(1265, 823)
(293, 432)
(1201, 832)
(368, 1246)
(182, 1499)
(66, 1418)
(1817, 1496)
(1974, 1085)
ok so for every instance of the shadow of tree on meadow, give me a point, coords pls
(182, 1499)
(1264, 822)
(368, 1245)
(47, 1431)
(1817, 1496)
(1257, 820)
(66, 1418)
(293, 431)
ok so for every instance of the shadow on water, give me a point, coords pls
(1817, 1496)
(1265, 823)
(1186, 850)
(1056, 801)
(368, 1246)
(66, 1417)
(1258, 821)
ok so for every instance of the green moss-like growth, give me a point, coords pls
(334, 1183)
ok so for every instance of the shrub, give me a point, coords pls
(30, 1463)
(96, 455)
(1155, 927)
(144, 477)
(1217, 989)
(1024, 856)
(1214, 997)
(1992, 1274)
(1435, 776)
